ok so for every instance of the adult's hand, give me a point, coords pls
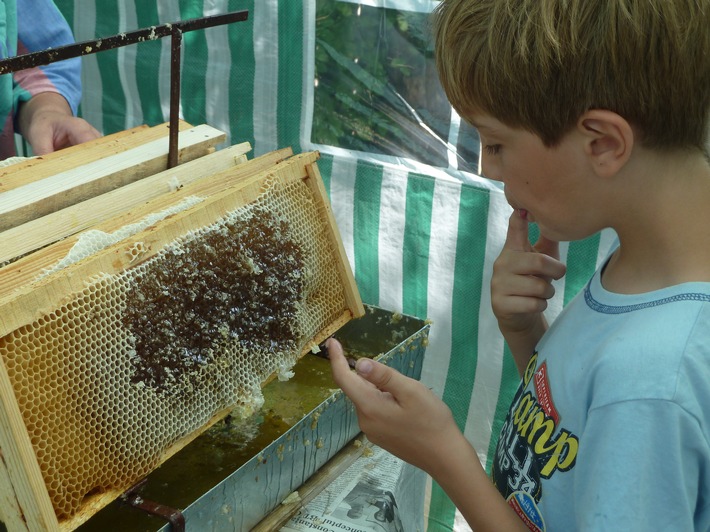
(47, 123)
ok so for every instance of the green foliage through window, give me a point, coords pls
(377, 89)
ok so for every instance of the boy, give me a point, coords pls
(593, 114)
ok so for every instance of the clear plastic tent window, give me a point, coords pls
(376, 88)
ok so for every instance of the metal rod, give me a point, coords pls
(175, 30)
(175, 53)
(174, 516)
(51, 55)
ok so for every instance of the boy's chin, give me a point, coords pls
(559, 234)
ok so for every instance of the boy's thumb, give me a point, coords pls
(380, 375)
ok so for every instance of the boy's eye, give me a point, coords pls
(492, 149)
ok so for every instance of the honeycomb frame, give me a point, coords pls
(62, 297)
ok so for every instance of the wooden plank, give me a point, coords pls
(352, 295)
(25, 492)
(310, 489)
(24, 203)
(214, 184)
(10, 512)
(36, 168)
(40, 232)
(27, 170)
(27, 269)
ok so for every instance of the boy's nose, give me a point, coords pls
(490, 171)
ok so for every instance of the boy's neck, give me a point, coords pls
(664, 229)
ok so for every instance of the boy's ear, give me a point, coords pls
(608, 138)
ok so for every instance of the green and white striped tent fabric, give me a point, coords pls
(355, 81)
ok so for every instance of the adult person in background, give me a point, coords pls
(39, 103)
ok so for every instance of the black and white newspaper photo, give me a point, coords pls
(362, 499)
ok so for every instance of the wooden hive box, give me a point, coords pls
(135, 313)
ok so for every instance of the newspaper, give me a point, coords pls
(362, 499)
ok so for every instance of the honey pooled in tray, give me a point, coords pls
(239, 285)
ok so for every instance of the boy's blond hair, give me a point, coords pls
(540, 64)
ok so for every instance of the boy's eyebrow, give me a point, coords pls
(482, 126)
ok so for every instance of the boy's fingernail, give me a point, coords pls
(364, 366)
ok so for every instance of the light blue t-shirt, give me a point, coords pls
(609, 429)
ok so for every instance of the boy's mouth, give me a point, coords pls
(523, 213)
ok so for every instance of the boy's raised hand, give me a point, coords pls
(395, 412)
(521, 285)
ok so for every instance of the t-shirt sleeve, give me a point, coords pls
(40, 25)
(639, 468)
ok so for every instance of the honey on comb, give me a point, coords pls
(240, 283)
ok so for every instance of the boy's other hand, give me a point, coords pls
(522, 278)
(395, 412)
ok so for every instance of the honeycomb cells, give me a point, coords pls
(137, 361)
(240, 284)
